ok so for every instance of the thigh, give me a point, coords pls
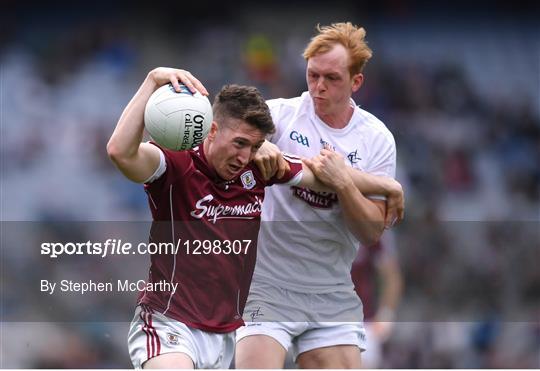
(259, 351)
(334, 345)
(265, 344)
(271, 315)
(337, 356)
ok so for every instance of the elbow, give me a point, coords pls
(112, 151)
(115, 154)
(369, 241)
(373, 235)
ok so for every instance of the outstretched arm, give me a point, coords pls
(138, 161)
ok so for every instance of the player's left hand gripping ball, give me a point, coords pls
(177, 120)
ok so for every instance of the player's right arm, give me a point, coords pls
(270, 161)
(136, 160)
(370, 184)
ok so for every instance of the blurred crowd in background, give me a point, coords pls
(459, 89)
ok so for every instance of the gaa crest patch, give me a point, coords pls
(248, 180)
(172, 339)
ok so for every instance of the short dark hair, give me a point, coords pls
(243, 103)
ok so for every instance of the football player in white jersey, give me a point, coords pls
(302, 296)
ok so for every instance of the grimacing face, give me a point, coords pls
(231, 146)
(329, 81)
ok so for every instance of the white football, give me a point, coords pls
(177, 121)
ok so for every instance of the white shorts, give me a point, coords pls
(291, 318)
(152, 334)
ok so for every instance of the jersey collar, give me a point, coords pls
(320, 122)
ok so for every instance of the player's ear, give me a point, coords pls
(213, 131)
(357, 81)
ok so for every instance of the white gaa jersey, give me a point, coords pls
(304, 244)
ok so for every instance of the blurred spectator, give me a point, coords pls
(379, 284)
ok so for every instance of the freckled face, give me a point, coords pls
(329, 81)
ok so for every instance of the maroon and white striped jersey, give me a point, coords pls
(213, 226)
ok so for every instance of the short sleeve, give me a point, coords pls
(383, 159)
(293, 176)
(176, 166)
(162, 167)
